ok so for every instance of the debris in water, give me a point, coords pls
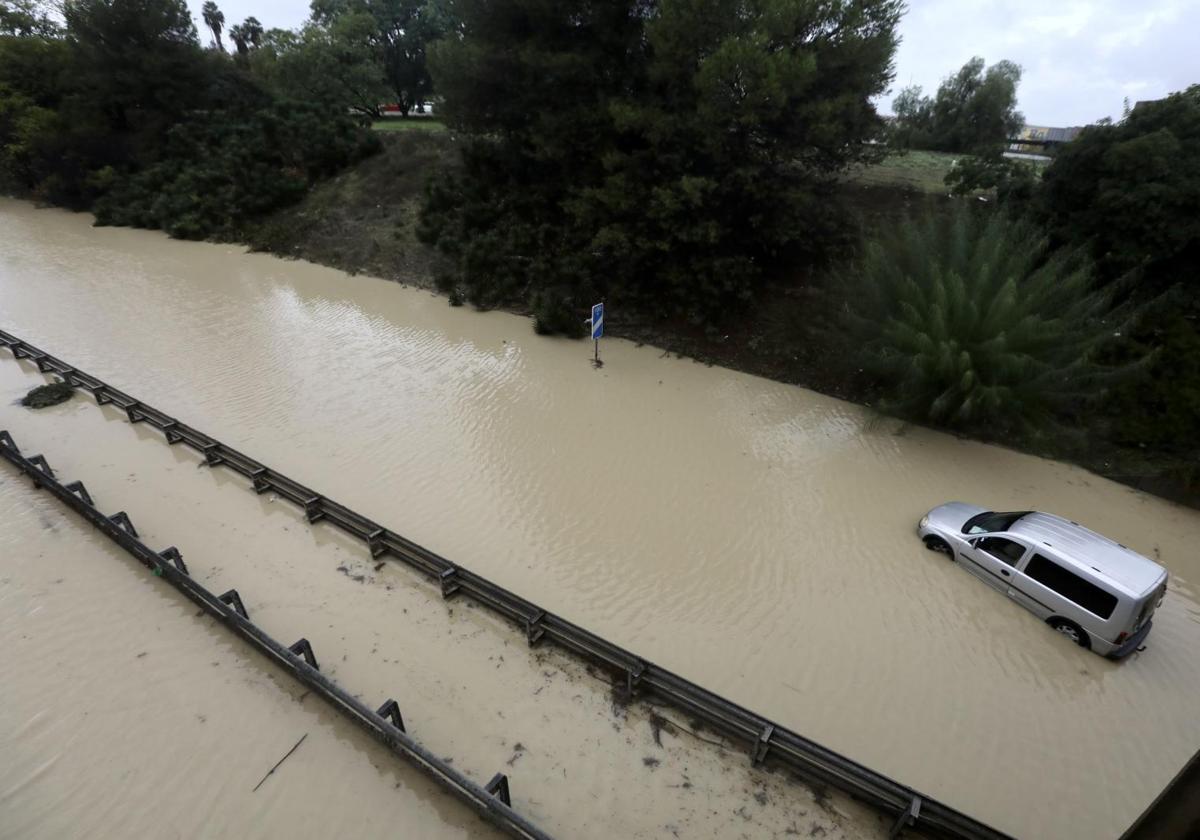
(518, 750)
(45, 396)
(280, 761)
(651, 762)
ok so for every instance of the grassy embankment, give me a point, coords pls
(923, 172)
(409, 124)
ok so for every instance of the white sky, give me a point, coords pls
(1081, 58)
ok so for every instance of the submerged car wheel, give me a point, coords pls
(940, 545)
(1072, 631)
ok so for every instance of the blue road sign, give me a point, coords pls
(597, 321)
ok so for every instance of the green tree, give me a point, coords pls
(913, 124)
(139, 60)
(1132, 192)
(401, 35)
(127, 116)
(214, 19)
(975, 110)
(332, 64)
(970, 322)
(664, 153)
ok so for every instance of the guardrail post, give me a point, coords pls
(908, 816)
(211, 455)
(261, 483)
(7, 441)
(762, 746)
(313, 509)
(43, 364)
(498, 787)
(633, 676)
(79, 490)
(449, 581)
(18, 350)
(172, 555)
(131, 411)
(391, 711)
(100, 392)
(39, 461)
(68, 375)
(534, 629)
(233, 599)
(304, 649)
(173, 437)
(375, 542)
(121, 520)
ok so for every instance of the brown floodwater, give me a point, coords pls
(754, 537)
(124, 714)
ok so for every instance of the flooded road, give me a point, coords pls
(124, 714)
(754, 537)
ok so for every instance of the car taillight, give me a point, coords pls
(1121, 637)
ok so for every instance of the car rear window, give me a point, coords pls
(1071, 586)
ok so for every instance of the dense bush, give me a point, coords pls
(227, 167)
(1158, 411)
(1013, 182)
(970, 322)
(1131, 191)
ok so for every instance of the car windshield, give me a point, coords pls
(991, 522)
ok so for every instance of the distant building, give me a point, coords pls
(1040, 138)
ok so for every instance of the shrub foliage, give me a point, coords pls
(970, 322)
(122, 112)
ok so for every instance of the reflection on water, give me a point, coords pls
(755, 537)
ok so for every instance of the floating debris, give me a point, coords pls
(45, 396)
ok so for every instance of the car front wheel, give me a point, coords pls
(940, 545)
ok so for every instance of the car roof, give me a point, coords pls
(1090, 551)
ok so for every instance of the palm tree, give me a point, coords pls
(214, 19)
(972, 323)
(246, 34)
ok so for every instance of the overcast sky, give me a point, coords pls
(1081, 58)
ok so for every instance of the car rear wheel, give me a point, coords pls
(940, 545)
(1072, 631)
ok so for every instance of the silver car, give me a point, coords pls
(1094, 591)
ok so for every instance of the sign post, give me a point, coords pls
(597, 322)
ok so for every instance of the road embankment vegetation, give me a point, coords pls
(715, 171)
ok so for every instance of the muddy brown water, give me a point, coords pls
(754, 537)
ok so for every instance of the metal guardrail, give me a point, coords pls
(767, 742)
(492, 801)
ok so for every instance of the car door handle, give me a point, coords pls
(1004, 572)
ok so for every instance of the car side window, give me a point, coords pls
(1071, 586)
(1002, 549)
